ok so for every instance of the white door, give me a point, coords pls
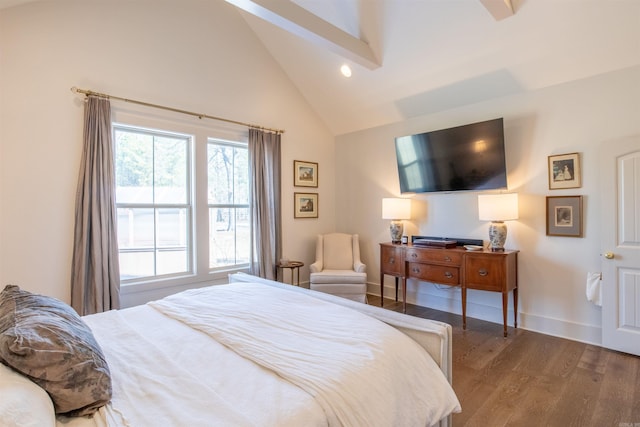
(621, 245)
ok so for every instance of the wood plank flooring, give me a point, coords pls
(531, 379)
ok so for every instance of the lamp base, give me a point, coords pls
(396, 229)
(497, 235)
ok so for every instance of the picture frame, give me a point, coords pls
(564, 171)
(305, 205)
(305, 174)
(564, 216)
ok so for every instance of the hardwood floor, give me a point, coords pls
(531, 379)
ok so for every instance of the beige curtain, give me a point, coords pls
(95, 272)
(264, 154)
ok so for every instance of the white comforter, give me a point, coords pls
(276, 358)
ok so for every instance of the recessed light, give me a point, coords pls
(345, 70)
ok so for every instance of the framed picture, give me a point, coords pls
(305, 205)
(305, 174)
(564, 171)
(564, 216)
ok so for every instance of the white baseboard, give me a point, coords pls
(589, 334)
(448, 299)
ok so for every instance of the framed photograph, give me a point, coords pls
(564, 216)
(564, 171)
(305, 205)
(305, 174)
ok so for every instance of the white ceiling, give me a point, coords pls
(441, 54)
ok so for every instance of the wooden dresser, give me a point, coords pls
(481, 270)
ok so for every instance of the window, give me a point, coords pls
(153, 200)
(229, 222)
(183, 203)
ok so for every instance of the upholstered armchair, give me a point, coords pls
(338, 269)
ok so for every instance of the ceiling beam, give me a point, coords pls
(500, 9)
(299, 21)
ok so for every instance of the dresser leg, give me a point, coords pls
(464, 307)
(515, 307)
(505, 304)
(404, 294)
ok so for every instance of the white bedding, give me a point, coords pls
(207, 357)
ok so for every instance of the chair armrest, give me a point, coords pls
(359, 267)
(318, 264)
(316, 267)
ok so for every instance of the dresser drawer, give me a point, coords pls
(440, 256)
(435, 273)
(392, 260)
(485, 273)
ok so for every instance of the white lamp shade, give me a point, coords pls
(498, 207)
(394, 208)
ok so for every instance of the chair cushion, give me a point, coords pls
(338, 276)
(338, 251)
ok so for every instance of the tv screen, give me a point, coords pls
(462, 158)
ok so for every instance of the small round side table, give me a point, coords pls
(294, 266)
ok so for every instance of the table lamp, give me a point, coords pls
(497, 208)
(396, 210)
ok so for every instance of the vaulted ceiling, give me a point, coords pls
(415, 57)
(440, 54)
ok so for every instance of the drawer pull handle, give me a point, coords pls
(416, 270)
(392, 260)
(447, 258)
(483, 272)
(414, 255)
(448, 275)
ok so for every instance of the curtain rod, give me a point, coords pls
(175, 110)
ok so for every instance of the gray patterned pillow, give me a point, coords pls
(46, 340)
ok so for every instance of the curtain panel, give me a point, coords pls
(95, 275)
(264, 154)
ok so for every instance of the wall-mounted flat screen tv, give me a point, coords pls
(463, 158)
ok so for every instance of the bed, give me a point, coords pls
(250, 353)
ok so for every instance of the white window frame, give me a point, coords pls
(201, 132)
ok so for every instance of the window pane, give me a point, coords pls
(170, 170)
(229, 237)
(136, 264)
(220, 170)
(241, 172)
(136, 228)
(243, 236)
(171, 227)
(221, 237)
(172, 261)
(134, 166)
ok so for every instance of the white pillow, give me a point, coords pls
(23, 402)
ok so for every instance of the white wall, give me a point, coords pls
(572, 117)
(195, 55)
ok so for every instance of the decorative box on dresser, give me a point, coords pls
(482, 270)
